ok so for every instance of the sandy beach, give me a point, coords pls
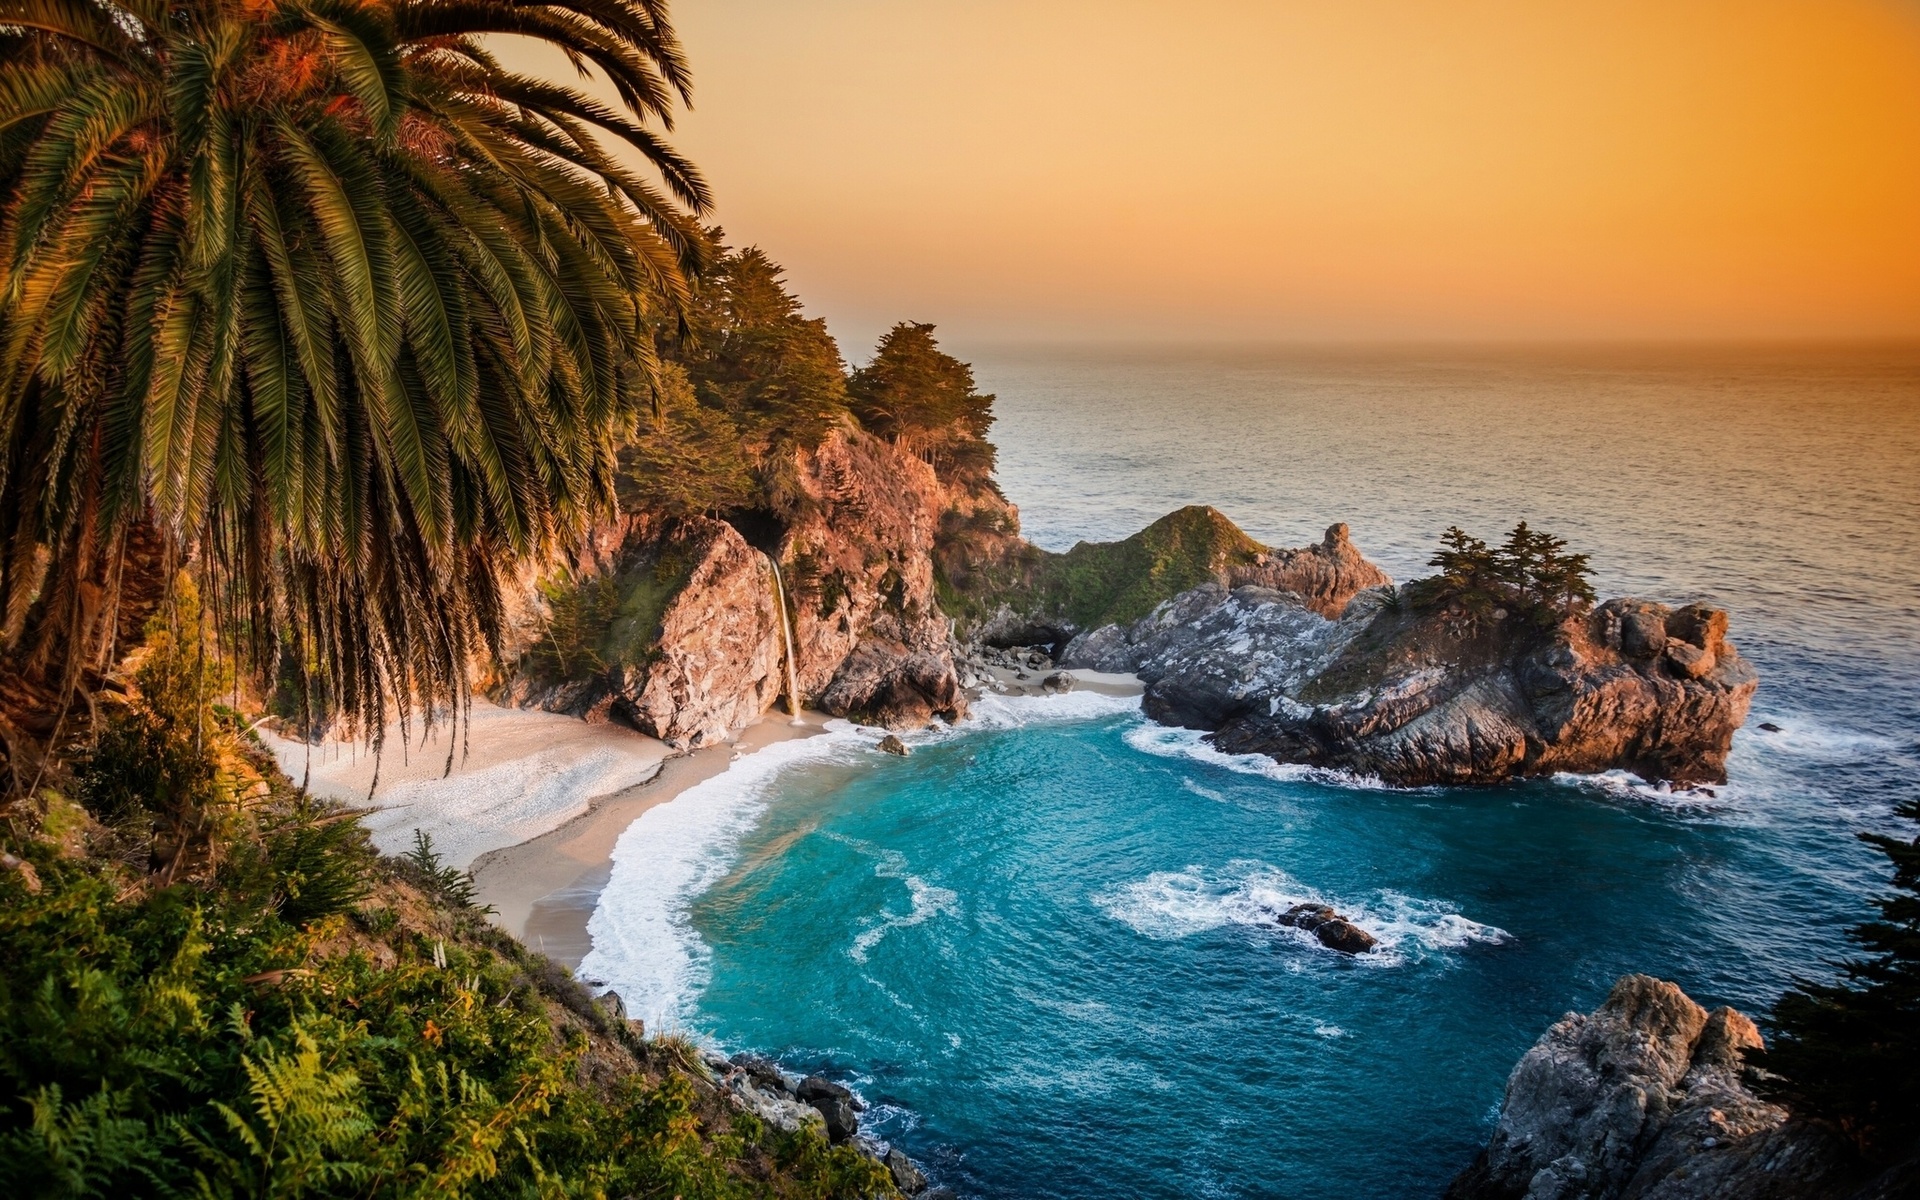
(544, 889)
(535, 802)
(519, 774)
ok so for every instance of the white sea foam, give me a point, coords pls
(643, 944)
(1802, 736)
(924, 900)
(1251, 894)
(1625, 785)
(1199, 789)
(1166, 741)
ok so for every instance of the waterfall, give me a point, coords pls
(786, 636)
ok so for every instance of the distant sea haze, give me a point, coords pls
(1042, 947)
(1782, 483)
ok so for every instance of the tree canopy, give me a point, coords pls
(1530, 570)
(349, 312)
(923, 398)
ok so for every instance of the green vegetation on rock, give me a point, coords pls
(1529, 573)
(1104, 583)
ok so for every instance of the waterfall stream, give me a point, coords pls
(786, 637)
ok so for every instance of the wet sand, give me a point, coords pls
(544, 890)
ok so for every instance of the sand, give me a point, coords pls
(1027, 683)
(535, 804)
(543, 890)
(522, 774)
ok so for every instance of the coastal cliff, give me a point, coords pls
(1645, 1099)
(673, 625)
(1417, 692)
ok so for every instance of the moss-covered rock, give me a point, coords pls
(1028, 595)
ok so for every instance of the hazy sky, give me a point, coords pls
(1311, 169)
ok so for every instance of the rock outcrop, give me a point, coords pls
(870, 641)
(1325, 576)
(1419, 694)
(1644, 1099)
(1334, 931)
(1026, 596)
(668, 626)
(759, 1086)
(673, 626)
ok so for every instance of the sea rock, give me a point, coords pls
(1057, 683)
(1429, 694)
(770, 1102)
(1643, 1099)
(1334, 931)
(906, 1176)
(765, 1074)
(891, 744)
(836, 1105)
(1030, 596)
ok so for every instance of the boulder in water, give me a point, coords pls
(835, 1103)
(1334, 931)
(906, 1176)
(891, 744)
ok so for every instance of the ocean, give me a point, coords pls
(1034, 947)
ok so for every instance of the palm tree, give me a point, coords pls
(322, 300)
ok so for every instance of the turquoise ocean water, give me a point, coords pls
(1035, 947)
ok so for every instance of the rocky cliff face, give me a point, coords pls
(673, 626)
(870, 639)
(1643, 1099)
(1419, 696)
(670, 627)
(1325, 576)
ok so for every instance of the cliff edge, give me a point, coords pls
(1644, 1099)
(674, 626)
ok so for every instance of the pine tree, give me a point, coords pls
(924, 399)
(1849, 1052)
(1468, 568)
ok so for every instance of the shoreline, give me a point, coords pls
(545, 889)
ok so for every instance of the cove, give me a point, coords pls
(1041, 947)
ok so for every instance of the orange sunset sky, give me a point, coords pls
(1321, 169)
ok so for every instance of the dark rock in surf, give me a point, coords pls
(1057, 683)
(1334, 931)
(891, 744)
(906, 1176)
(836, 1104)
(765, 1073)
